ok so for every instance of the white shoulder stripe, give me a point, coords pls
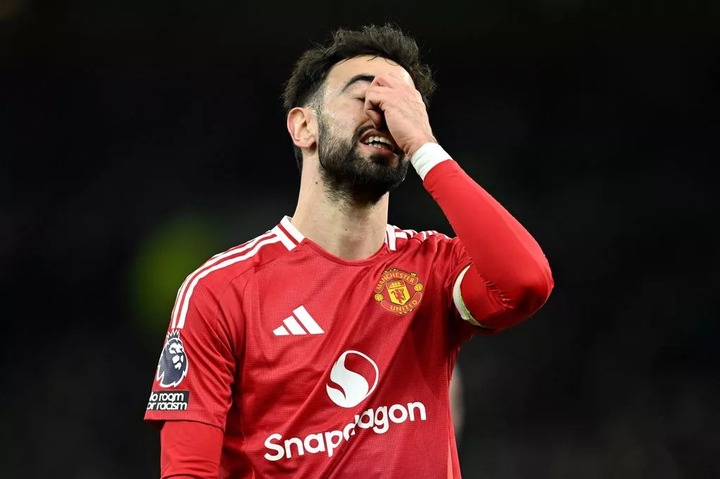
(283, 238)
(393, 233)
(294, 232)
(224, 264)
(390, 235)
(214, 260)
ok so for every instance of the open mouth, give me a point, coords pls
(379, 141)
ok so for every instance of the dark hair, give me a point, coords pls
(386, 41)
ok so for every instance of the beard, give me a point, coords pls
(351, 177)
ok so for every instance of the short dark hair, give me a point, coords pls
(386, 41)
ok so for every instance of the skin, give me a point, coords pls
(383, 101)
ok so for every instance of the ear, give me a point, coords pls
(302, 126)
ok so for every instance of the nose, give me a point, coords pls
(377, 117)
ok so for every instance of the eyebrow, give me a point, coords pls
(361, 77)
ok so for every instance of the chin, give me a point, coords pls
(382, 160)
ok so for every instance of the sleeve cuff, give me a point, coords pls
(460, 303)
(426, 157)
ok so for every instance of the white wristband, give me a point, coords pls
(426, 157)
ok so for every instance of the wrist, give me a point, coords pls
(419, 143)
(428, 156)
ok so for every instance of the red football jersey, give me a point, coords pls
(316, 366)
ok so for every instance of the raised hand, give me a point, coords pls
(394, 102)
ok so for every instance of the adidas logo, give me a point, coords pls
(291, 326)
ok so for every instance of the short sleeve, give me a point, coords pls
(196, 371)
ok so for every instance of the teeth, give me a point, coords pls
(379, 139)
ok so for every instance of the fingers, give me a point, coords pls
(375, 113)
(386, 79)
(377, 98)
(394, 104)
(386, 90)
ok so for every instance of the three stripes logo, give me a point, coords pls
(298, 324)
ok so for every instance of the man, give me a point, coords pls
(325, 347)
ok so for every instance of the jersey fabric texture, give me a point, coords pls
(312, 364)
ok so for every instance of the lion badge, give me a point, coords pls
(173, 365)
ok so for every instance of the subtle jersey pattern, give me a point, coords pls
(313, 365)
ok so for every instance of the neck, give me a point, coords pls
(343, 229)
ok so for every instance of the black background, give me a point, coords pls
(138, 138)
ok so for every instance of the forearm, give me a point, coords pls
(504, 254)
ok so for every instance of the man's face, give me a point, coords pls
(359, 162)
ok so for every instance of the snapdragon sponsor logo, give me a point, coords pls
(378, 420)
(353, 378)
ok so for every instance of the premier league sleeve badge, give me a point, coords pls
(173, 365)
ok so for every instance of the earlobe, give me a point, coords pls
(301, 126)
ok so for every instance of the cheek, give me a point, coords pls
(348, 114)
(338, 128)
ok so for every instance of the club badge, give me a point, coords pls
(398, 291)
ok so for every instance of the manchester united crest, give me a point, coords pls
(398, 291)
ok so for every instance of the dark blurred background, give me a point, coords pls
(138, 138)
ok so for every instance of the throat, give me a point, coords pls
(345, 232)
(355, 247)
(356, 233)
